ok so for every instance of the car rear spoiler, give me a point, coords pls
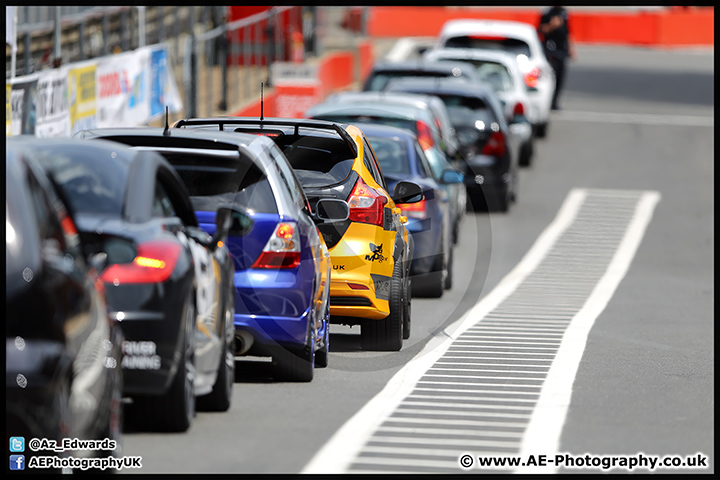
(221, 122)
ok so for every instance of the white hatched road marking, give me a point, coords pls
(607, 223)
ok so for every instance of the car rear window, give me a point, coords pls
(496, 74)
(92, 179)
(512, 45)
(214, 180)
(317, 161)
(391, 154)
(379, 119)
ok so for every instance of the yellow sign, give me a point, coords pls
(81, 86)
(8, 110)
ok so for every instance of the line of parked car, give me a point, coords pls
(142, 261)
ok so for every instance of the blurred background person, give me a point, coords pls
(555, 34)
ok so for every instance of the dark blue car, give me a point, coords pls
(429, 221)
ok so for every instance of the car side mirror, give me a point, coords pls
(450, 175)
(331, 210)
(407, 192)
(231, 220)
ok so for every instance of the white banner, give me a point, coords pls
(52, 105)
(123, 97)
(123, 90)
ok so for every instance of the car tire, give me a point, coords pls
(174, 411)
(448, 277)
(526, 153)
(322, 354)
(220, 398)
(295, 365)
(407, 308)
(541, 130)
(386, 334)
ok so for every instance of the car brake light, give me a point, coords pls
(487, 37)
(519, 109)
(531, 77)
(366, 204)
(154, 263)
(424, 135)
(495, 145)
(282, 250)
(416, 210)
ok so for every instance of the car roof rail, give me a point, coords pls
(221, 122)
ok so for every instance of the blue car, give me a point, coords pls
(282, 264)
(430, 221)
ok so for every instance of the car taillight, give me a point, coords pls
(416, 210)
(531, 77)
(366, 204)
(282, 250)
(424, 134)
(519, 109)
(495, 145)
(154, 263)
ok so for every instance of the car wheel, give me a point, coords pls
(220, 398)
(386, 334)
(407, 310)
(295, 365)
(448, 277)
(174, 411)
(526, 153)
(322, 355)
(541, 130)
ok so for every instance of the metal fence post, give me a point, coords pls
(125, 31)
(223, 105)
(141, 27)
(190, 76)
(81, 39)
(57, 50)
(105, 34)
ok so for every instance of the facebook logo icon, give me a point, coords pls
(17, 462)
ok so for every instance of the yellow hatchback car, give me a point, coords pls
(371, 251)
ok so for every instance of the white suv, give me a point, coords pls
(520, 39)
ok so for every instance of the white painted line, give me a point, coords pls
(475, 391)
(338, 452)
(420, 411)
(401, 50)
(457, 442)
(465, 423)
(476, 400)
(450, 431)
(645, 119)
(543, 432)
(464, 405)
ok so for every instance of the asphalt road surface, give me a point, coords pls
(628, 159)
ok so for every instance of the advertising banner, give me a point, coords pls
(123, 89)
(82, 90)
(163, 88)
(8, 110)
(22, 105)
(52, 106)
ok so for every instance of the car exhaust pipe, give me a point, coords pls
(243, 342)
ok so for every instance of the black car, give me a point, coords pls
(62, 350)
(490, 149)
(383, 72)
(168, 283)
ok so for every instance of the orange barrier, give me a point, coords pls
(675, 26)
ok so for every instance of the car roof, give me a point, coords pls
(202, 135)
(448, 85)
(464, 26)
(383, 98)
(377, 129)
(499, 56)
(421, 65)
